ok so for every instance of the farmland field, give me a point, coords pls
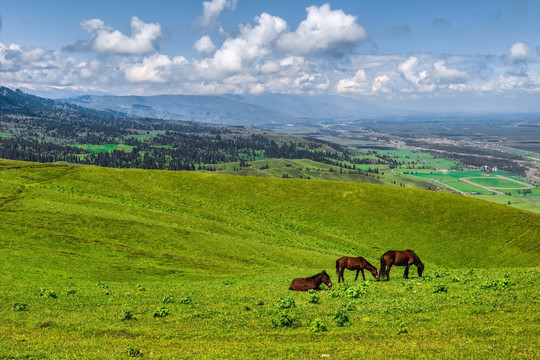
(105, 263)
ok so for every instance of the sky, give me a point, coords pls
(448, 55)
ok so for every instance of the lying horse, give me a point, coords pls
(400, 258)
(305, 284)
(354, 263)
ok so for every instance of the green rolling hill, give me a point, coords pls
(158, 222)
(105, 263)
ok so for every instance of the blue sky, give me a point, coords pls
(430, 54)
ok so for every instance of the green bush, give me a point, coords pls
(168, 299)
(498, 284)
(286, 302)
(185, 300)
(48, 293)
(283, 319)
(438, 288)
(341, 317)
(126, 314)
(20, 307)
(317, 325)
(161, 312)
(134, 352)
(315, 299)
(402, 329)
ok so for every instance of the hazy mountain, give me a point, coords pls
(207, 109)
(258, 110)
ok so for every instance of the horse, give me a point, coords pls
(400, 258)
(305, 284)
(354, 263)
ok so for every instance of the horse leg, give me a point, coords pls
(406, 273)
(388, 267)
(363, 274)
(357, 271)
(340, 277)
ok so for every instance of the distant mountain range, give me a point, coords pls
(258, 110)
(265, 110)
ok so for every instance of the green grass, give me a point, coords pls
(104, 148)
(223, 250)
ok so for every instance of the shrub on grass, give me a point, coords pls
(286, 302)
(168, 299)
(402, 329)
(161, 312)
(134, 352)
(498, 284)
(317, 325)
(20, 307)
(185, 300)
(314, 299)
(341, 317)
(48, 293)
(283, 319)
(438, 288)
(126, 314)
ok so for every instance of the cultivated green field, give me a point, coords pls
(105, 263)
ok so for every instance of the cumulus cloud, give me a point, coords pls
(143, 37)
(156, 68)
(360, 83)
(205, 45)
(252, 42)
(519, 52)
(323, 29)
(442, 73)
(212, 10)
(409, 70)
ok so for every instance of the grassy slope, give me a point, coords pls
(231, 242)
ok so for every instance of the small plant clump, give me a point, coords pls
(48, 293)
(314, 299)
(185, 300)
(286, 302)
(20, 307)
(402, 329)
(134, 352)
(168, 299)
(341, 317)
(127, 314)
(283, 319)
(439, 288)
(317, 325)
(498, 284)
(161, 312)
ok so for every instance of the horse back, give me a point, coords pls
(302, 284)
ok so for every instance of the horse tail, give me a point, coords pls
(337, 267)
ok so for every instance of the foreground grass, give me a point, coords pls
(234, 317)
(79, 245)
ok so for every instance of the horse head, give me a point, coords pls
(326, 279)
(420, 268)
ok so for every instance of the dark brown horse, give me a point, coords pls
(354, 263)
(305, 284)
(399, 258)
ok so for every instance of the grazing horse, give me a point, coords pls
(305, 284)
(354, 263)
(400, 258)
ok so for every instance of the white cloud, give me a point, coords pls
(253, 42)
(420, 79)
(106, 39)
(519, 52)
(441, 72)
(360, 83)
(323, 30)
(212, 10)
(205, 45)
(156, 68)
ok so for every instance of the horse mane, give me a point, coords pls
(415, 257)
(314, 276)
